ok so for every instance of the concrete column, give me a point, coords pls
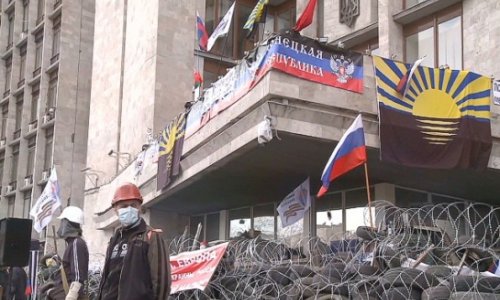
(390, 33)
(385, 191)
(223, 221)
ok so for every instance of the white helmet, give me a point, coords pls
(73, 214)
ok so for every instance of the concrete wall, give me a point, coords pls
(70, 133)
(481, 36)
(368, 13)
(106, 87)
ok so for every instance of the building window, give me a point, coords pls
(26, 204)
(234, 45)
(56, 37)
(38, 51)
(52, 92)
(5, 117)
(10, 207)
(438, 37)
(410, 3)
(40, 11)
(49, 140)
(15, 161)
(10, 33)
(25, 15)
(329, 220)
(19, 116)
(2, 161)
(239, 222)
(35, 96)
(212, 231)
(31, 156)
(8, 74)
(22, 64)
(264, 221)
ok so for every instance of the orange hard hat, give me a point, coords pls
(127, 191)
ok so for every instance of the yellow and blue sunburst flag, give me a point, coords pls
(441, 122)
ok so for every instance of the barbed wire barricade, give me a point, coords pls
(442, 251)
(432, 252)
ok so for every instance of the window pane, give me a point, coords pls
(242, 17)
(49, 135)
(8, 69)
(410, 3)
(420, 44)
(19, 113)
(409, 198)
(239, 222)
(329, 218)
(193, 225)
(450, 43)
(209, 15)
(357, 211)
(10, 208)
(212, 227)
(1, 167)
(27, 204)
(263, 222)
(292, 234)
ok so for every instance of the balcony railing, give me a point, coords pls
(37, 72)
(9, 45)
(57, 3)
(54, 58)
(16, 134)
(39, 20)
(13, 185)
(6, 93)
(20, 83)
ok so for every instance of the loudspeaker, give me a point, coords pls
(15, 241)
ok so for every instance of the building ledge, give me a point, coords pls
(26, 187)
(7, 53)
(421, 10)
(19, 90)
(5, 99)
(38, 28)
(204, 54)
(54, 64)
(10, 7)
(23, 39)
(56, 12)
(357, 37)
(35, 79)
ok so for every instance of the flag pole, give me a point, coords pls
(369, 196)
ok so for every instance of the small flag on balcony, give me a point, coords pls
(402, 86)
(258, 15)
(201, 32)
(198, 80)
(306, 17)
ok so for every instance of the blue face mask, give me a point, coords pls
(128, 215)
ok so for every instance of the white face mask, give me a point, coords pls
(128, 215)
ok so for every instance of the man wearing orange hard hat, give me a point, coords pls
(137, 262)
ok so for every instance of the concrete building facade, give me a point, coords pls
(231, 183)
(46, 51)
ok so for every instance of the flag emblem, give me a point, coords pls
(342, 67)
(441, 121)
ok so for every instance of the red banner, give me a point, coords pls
(193, 270)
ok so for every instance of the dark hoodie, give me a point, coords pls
(137, 265)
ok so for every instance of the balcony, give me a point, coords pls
(28, 183)
(17, 134)
(3, 142)
(9, 46)
(6, 94)
(54, 59)
(57, 3)
(11, 188)
(37, 72)
(20, 83)
(39, 20)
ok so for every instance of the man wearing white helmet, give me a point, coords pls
(75, 259)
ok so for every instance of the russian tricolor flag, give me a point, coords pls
(201, 33)
(349, 153)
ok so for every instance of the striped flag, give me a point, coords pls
(46, 205)
(258, 15)
(201, 32)
(349, 153)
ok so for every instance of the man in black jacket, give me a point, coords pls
(137, 263)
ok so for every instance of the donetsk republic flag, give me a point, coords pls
(442, 122)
